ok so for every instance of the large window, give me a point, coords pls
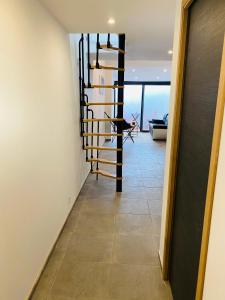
(132, 102)
(146, 101)
(156, 103)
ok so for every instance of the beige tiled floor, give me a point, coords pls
(109, 247)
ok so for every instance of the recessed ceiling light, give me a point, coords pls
(157, 77)
(133, 70)
(136, 77)
(111, 21)
(165, 70)
(170, 52)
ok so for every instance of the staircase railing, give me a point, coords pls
(84, 103)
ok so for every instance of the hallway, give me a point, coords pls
(108, 249)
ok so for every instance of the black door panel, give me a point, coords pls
(201, 79)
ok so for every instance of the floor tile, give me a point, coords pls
(130, 182)
(132, 206)
(90, 248)
(82, 281)
(129, 282)
(160, 290)
(153, 194)
(49, 274)
(155, 182)
(155, 207)
(102, 205)
(156, 222)
(59, 297)
(133, 224)
(72, 220)
(135, 250)
(136, 283)
(158, 173)
(63, 240)
(156, 239)
(108, 249)
(95, 223)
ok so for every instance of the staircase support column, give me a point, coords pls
(120, 112)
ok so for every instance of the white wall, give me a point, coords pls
(174, 75)
(109, 97)
(101, 95)
(42, 165)
(214, 279)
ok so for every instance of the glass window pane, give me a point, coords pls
(156, 103)
(132, 102)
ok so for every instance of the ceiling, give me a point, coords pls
(148, 70)
(148, 24)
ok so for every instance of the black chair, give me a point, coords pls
(135, 122)
(125, 126)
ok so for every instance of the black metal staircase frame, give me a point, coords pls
(119, 168)
(85, 110)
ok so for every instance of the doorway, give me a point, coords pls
(199, 101)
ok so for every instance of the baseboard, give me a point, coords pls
(166, 281)
(160, 262)
(53, 247)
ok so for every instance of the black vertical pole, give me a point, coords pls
(80, 84)
(81, 79)
(82, 65)
(89, 65)
(108, 41)
(97, 168)
(87, 126)
(142, 107)
(119, 172)
(97, 51)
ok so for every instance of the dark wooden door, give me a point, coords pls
(201, 79)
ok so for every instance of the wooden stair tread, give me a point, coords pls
(104, 161)
(102, 148)
(105, 47)
(102, 134)
(104, 103)
(103, 120)
(108, 68)
(106, 86)
(104, 173)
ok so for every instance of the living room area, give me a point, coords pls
(147, 97)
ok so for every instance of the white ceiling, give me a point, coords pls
(148, 70)
(148, 24)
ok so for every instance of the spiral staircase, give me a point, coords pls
(90, 126)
